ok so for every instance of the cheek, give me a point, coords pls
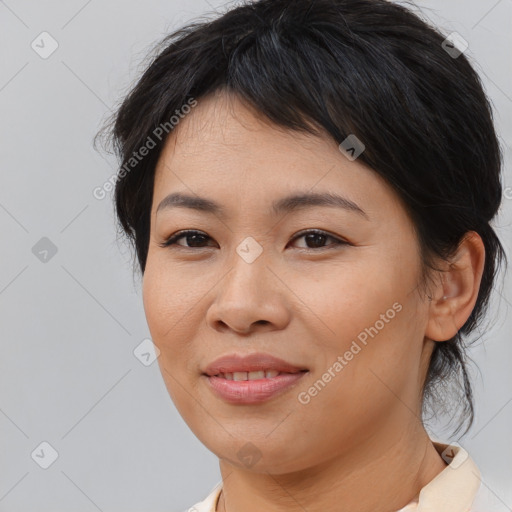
(169, 296)
(346, 298)
(166, 315)
(168, 307)
(369, 316)
(155, 301)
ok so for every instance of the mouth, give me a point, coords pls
(254, 375)
(252, 378)
(254, 387)
(255, 366)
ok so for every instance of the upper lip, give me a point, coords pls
(231, 363)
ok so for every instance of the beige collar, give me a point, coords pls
(455, 488)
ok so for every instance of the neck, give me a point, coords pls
(377, 475)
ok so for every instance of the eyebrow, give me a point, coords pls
(286, 204)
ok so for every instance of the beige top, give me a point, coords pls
(452, 490)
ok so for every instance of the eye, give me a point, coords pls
(197, 237)
(194, 239)
(318, 237)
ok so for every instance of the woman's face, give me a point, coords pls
(350, 313)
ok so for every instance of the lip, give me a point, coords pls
(251, 391)
(231, 363)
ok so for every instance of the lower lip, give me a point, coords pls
(252, 391)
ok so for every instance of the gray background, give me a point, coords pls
(69, 325)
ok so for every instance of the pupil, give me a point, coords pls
(194, 237)
(313, 235)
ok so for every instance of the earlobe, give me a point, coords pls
(452, 302)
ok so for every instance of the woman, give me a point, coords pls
(309, 186)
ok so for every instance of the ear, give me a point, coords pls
(453, 300)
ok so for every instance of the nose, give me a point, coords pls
(250, 297)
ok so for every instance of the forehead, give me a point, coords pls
(224, 148)
(221, 117)
(222, 128)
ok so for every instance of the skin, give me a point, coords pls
(360, 441)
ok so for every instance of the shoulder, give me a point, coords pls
(208, 504)
(461, 486)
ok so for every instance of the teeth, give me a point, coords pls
(256, 375)
(239, 376)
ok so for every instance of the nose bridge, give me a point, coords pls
(249, 271)
(246, 295)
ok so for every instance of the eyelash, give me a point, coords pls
(183, 234)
